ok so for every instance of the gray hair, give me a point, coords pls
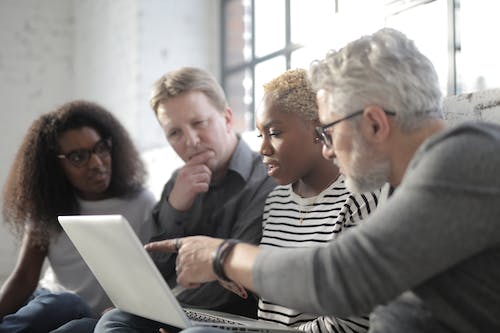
(384, 69)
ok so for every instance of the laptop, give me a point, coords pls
(132, 281)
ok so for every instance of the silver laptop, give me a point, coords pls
(132, 281)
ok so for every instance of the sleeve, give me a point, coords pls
(326, 324)
(165, 220)
(444, 189)
(358, 207)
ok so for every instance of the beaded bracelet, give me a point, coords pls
(219, 256)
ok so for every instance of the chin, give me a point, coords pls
(352, 186)
(101, 188)
(213, 165)
(281, 181)
(364, 185)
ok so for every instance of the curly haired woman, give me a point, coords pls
(77, 159)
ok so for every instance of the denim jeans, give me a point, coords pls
(82, 325)
(44, 312)
(121, 321)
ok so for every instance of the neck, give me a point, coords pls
(405, 146)
(317, 180)
(94, 197)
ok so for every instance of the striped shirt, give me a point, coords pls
(292, 221)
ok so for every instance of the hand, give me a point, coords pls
(235, 287)
(193, 178)
(106, 310)
(194, 258)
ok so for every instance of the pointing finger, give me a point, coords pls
(168, 245)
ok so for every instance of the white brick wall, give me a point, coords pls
(173, 35)
(106, 55)
(107, 51)
(483, 105)
(35, 73)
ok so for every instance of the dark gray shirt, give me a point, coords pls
(231, 208)
(425, 261)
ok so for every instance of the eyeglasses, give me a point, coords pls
(326, 137)
(80, 157)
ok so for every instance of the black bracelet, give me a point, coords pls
(219, 256)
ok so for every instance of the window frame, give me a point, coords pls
(392, 7)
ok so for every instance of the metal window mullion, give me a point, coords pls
(252, 60)
(222, 36)
(453, 45)
(288, 34)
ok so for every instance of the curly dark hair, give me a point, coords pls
(37, 190)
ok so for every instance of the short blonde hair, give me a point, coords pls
(292, 91)
(184, 80)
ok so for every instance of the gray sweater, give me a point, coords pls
(428, 260)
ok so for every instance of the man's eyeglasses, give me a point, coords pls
(326, 136)
(79, 158)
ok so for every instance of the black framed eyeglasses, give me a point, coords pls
(326, 137)
(80, 157)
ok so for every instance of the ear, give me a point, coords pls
(315, 123)
(375, 126)
(228, 117)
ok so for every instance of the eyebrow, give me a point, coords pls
(273, 123)
(79, 149)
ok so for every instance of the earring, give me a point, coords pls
(317, 140)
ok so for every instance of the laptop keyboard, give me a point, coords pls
(205, 317)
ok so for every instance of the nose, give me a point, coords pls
(192, 137)
(328, 152)
(95, 160)
(266, 148)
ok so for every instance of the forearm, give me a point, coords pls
(24, 279)
(14, 294)
(239, 264)
(166, 221)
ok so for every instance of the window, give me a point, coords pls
(478, 51)
(260, 40)
(430, 37)
(263, 38)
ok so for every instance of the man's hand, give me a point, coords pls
(194, 259)
(193, 178)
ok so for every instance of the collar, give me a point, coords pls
(242, 159)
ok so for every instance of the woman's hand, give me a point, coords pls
(235, 287)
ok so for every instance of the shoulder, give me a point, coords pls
(247, 163)
(145, 196)
(143, 200)
(461, 154)
(255, 174)
(351, 204)
(466, 139)
(279, 193)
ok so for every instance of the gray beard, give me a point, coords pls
(368, 172)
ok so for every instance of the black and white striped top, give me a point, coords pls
(292, 221)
